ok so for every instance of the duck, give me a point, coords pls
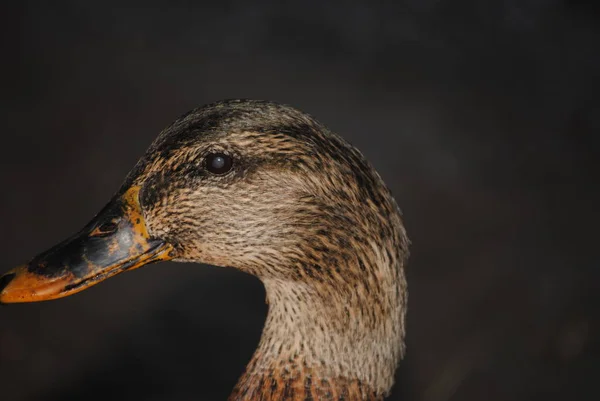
(266, 189)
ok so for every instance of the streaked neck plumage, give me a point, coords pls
(325, 342)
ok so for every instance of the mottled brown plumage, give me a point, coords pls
(303, 211)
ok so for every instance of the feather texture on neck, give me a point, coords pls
(331, 342)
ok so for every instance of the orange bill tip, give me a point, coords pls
(117, 240)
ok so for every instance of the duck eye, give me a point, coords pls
(218, 163)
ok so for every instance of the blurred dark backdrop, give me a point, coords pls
(482, 116)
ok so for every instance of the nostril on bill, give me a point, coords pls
(4, 280)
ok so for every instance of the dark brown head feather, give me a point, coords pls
(305, 212)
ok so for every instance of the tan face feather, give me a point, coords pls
(302, 210)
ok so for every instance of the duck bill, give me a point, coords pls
(116, 240)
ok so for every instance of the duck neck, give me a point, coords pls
(329, 342)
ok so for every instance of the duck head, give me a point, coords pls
(268, 190)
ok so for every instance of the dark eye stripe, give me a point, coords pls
(219, 163)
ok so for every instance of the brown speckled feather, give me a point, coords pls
(306, 213)
(301, 384)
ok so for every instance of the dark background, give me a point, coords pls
(482, 116)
